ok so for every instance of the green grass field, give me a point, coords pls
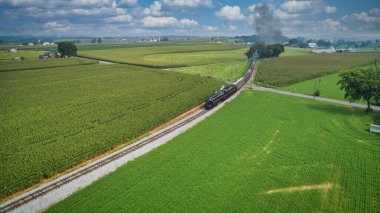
(47, 63)
(4, 55)
(54, 118)
(284, 71)
(170, 55)
(293, 51)
(228, 71)
(326, 84)
(368, 50)
(262, 152)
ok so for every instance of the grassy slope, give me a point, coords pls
(54, 118)
(171, 56)
(293, 51)
(47, 63)
(327, 85)
(223, 71)
(4, 55)
(257, 143)
(285, 71)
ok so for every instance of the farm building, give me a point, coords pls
(12, 50)
(329, 50)
(312, 45)
(47, 55)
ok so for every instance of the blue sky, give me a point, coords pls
(310, 18)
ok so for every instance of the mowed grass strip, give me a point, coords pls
(228, 71)
(46, 63)
(261, 152)
(52, 119)
(171, 55)
(284, 71)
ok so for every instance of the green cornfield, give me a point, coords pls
(52, 119)
(284, 71)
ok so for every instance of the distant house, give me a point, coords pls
(46, 43)
(12, 50)
(30, 44)
(313, 45)
(47, 55)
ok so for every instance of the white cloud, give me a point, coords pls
(154, 9)
(300, 6)
(230, 13)
(363, 16)
(330, 24)
(375, 11)
(188, 3)
(251, 8)
(56, 26)
(279, 14)
(209, 28)
(167, 22)
(232, 27)
(120, 18)
(130, 2)
(330, 9)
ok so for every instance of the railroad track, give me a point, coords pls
(43, 191)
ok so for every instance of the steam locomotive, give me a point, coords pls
(227, 92)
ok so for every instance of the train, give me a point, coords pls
(228, 91)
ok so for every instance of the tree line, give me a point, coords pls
(261, 50)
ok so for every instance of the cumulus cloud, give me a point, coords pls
(159, 22)
(330, 9)
(130, 2)
(154, 9)
(280, 14)
(230, 13)
(293, 6)
(232, 27)
(209, 28)
(188, 3)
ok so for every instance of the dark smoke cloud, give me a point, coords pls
(265, 24)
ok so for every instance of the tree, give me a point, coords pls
(293, 41)
(99, 40)
(93, 41)
(261, 50)
(362, 83)
(164, 39)
(67, 48)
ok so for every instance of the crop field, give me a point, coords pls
(4, 55)
(171, 55)
(52, 119)
(47, 63)
(293, 51)
(285, 71)
(261, 152)
(228, 71)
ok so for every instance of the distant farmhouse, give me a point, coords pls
(313, 45)
(12, 50)
(48, 43)
(47, 55)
